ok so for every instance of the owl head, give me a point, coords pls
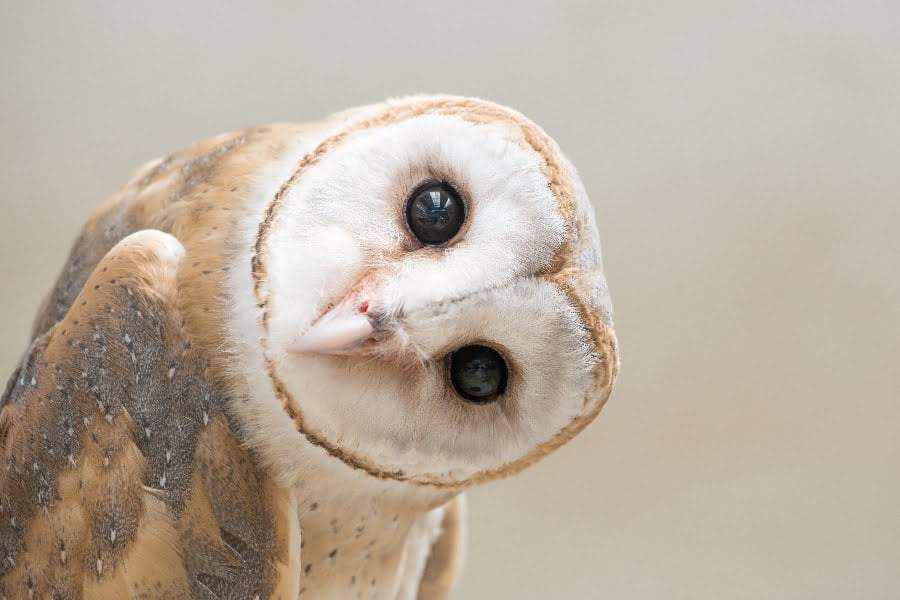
(423, 301)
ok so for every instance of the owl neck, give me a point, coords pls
(361, 532)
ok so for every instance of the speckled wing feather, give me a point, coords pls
(121, 474)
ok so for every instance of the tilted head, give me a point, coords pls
(424, 300)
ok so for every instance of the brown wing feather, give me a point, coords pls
(121, 475)
(445, 559)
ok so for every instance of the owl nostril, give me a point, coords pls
(478, 373)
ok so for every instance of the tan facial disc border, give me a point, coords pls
(561, 271)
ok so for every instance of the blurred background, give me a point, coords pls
(744, 160)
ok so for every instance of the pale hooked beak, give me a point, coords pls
(347, 328)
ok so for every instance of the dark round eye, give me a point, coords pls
(435, 213)
(478, 373)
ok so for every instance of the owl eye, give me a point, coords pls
(435, 213)
(478, 373)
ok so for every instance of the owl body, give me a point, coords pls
(263, 374)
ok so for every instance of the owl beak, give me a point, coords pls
(345, 329)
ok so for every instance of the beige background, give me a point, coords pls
(743, 158)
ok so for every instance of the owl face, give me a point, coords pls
(425, 295)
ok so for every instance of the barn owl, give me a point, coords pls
(274, 361)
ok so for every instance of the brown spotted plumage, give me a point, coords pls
(161, 440)
(123, 476)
